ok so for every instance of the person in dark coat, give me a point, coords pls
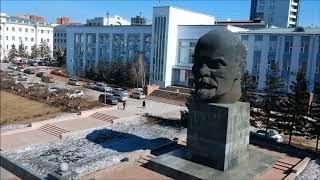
(144, 104)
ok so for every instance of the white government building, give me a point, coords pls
(169, 42)
(16, 30)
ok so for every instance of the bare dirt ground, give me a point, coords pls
(301, 142)
(15, 108)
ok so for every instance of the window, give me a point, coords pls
(65, 41)
(0, 37)
(20, 29)
(7, 28)
(256, 59)
(32, 39)
(7, 37)
(13, 29)
(244, 37)
(41, 40)
(318, 66)
(270, 63)
(7, 46)
(20, 39)
(288, 47)
(32, 30)
(258, 37)
(286, 64)
(54, 47)
(13, 38)
(0, 46)
(304, 47)
(48, 31)
(26, 48)
(26, 30)
(41, 31)
(26, 39)
(47, 40)
(186, 48)
(54, 40)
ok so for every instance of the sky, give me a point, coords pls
(80, 10)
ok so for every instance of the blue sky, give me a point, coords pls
(80, 10)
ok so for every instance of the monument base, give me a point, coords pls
(177, 164)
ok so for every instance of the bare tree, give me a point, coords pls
(44, 49)
(34, 52)
(138, 71)
(22, 51)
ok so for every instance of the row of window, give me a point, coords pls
(13, 38)
(59, 40)
(9, 47)
(13, 29)
(60, 34)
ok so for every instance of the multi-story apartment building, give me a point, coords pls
(33, 17)
(281, 13)
(171, 41)
(15, 30)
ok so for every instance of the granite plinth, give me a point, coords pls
(218, 134)
(178, 165)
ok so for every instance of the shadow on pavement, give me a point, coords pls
(124, 142)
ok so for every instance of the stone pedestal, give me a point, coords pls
(218, 134)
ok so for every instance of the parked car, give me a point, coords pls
(73, 82)
(13, 67)
(120, 91)
(108, 99)
(40, 74)
(30, 84)
(29, 71)
(47, 79)
(22, 76)
(54, 90)
(75, 94)
(102, 87)
(121, 97)
(32, 63)
(90, 85)
(272, 135)
(138, 95)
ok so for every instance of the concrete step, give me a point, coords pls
(53, 130)
(103, 117)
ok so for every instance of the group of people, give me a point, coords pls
(125, 103)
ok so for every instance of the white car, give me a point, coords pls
(138, 95)
(271, 135)
(75, 94)
(120, 91)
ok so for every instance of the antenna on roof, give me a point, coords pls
(108, 18)
(140, 13)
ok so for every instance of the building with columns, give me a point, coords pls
(168, 46)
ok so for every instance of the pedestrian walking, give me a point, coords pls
(144, 104)
(124, 105)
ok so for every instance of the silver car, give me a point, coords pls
(138, 95)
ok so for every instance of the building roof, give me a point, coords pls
(19, 20)
(283, 31)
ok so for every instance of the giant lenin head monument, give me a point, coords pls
(218, 129)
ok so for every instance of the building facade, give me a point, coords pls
(281, 13)
(171, 41)
(16, 31)
(87, 46)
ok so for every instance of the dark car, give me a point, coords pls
(40, 74)
(108, 99)
(29, 71)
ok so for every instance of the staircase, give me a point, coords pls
(103, 117)
(53, 130)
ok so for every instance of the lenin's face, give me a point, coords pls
(216, 69)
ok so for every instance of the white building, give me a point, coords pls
(282, 13)
(174, 33)
(15, 30)
(107, 21)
